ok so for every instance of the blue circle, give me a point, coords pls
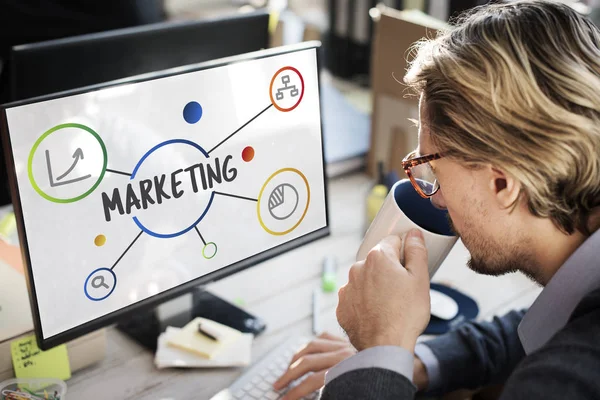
(166, 143)
(192, 112)
(88, 278)
(181, 232)
(137, 167)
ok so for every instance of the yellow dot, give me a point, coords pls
(100, 240)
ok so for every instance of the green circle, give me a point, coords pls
(205, 246)
(37, 144)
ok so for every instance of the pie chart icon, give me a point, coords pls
(283, 201)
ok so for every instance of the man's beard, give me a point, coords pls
(493, 259)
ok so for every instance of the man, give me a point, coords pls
(510, 111)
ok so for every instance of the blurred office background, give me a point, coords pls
(345, 27)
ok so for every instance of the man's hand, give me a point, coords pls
(317, 357)
(385, 303)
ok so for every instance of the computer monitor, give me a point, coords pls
(129, 194)
(56, 65)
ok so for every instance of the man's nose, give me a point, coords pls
(438, 200)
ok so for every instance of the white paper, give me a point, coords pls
(237, 354)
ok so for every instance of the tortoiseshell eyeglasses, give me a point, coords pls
(421, 174)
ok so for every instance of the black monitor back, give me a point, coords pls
(63, 64)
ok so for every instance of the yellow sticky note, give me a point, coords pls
(31, 362)
(190, 340)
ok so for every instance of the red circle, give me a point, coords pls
(271, 89)
(248, 154)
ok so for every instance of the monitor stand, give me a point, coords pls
(145, 326)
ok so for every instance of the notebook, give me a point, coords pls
(189, 339)
(237, 354)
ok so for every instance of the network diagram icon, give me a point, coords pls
(281, 205)
(286, 86)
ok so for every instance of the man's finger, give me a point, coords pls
(415, 253)
(354, 273)
(391, 245)
(311, 384)
(319, 346)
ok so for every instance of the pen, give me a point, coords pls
(208, 332)
(316, 306)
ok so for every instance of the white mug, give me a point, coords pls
(403, 210)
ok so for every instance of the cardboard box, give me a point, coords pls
(276, 33)
(402, 142)
(311, 32)
(395, 32)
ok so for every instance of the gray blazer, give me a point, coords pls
(479, 354)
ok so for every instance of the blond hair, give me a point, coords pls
(517, 85)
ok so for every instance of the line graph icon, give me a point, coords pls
(77, 155)
(63, 175)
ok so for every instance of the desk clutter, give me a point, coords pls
(203, 343)
(33, 389)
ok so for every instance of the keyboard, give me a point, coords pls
(256, 383)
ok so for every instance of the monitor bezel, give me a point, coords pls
(153, 301)
(27, 50)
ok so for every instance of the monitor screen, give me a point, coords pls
(133, 193)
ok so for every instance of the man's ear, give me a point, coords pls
(504, 187)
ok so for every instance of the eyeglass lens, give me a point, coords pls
(425, 178)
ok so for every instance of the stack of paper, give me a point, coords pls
(186, 347)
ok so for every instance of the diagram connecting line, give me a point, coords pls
(236, 196)
(199, 234)
(114, 171)
(126, 250)
(240, 128)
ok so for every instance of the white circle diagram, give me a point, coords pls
(175, 176)
(100, 284)
(287, 89)
(67, 163)
(283, 201)
(209, 250)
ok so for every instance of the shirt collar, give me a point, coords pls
(550, 312)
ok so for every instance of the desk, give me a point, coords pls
(279, 291)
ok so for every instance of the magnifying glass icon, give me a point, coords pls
(98, 282)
